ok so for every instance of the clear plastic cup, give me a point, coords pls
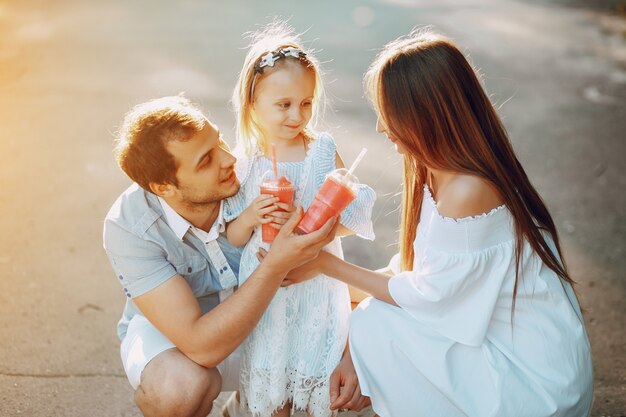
(279, 187)
(337, 192)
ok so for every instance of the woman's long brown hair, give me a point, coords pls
(429, 98)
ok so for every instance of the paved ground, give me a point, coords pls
(70, 69)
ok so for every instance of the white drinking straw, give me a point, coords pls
(357, 161)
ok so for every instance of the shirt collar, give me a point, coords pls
(180, 225)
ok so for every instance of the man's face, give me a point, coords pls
(206, 168)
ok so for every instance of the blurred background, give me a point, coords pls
(69, 70)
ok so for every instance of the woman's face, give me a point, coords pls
(381, 128)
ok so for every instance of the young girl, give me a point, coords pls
(287, 360)
(477, 315)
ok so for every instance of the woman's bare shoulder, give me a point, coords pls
(466, 196)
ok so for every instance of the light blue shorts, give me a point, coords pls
(143, 342)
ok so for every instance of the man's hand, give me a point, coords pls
(344, 386)
(290, 250)
(302, 273)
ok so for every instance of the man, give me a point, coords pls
(182, 322)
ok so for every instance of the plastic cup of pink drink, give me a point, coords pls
(279, 187)
(335, 194)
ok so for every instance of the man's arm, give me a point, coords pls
(209, 338)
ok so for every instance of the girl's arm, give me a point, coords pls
(239, 230)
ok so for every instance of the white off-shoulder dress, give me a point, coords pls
(298, 342)
(450, 348)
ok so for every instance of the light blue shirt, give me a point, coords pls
(148, 243)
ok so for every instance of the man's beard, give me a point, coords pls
(195, 201)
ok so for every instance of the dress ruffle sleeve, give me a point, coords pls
(358, 215)
(455, 293)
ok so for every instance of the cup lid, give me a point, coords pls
(342, 176)
(280, 181)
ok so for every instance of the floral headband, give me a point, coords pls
(270, 58)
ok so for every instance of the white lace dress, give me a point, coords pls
(299, 341)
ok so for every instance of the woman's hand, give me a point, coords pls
(345, 391)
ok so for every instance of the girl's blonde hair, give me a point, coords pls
(430, 99)
(271, 38)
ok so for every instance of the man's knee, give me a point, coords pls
(173, 385)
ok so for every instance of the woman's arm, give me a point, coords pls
(364, 279)
(357, 295)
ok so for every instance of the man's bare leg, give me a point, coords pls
(173, 385)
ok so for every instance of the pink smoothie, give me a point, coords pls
(331, 199)
(284, 190)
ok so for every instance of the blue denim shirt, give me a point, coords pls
(145, 251)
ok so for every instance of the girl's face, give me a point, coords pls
(381, 128)
(283, 102)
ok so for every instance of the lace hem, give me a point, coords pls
(305, 393)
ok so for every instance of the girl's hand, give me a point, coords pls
(257, 212)
(280, 217)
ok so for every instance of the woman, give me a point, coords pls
(476, 315)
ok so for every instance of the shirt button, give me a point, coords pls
(189, 269)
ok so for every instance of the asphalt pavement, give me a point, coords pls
(69, 70)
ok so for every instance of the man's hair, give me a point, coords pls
(140, 148)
